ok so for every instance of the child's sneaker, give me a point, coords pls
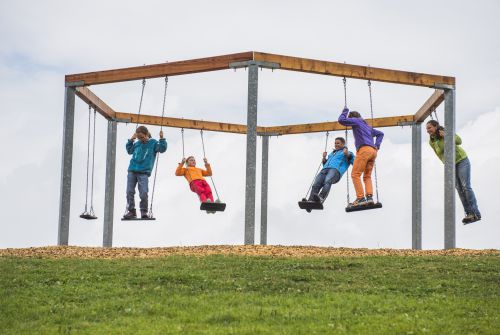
(470, 218)
(144, 215)
(131, 214)
(369, 199)
(358, 202)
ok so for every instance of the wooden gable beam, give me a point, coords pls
(335, 126)
(91, 99)
(354, 71)
(185, 123)
(429, 106)
(158, 70)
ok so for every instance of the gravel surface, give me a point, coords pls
(257, 250)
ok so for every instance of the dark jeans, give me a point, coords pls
(141, 180)
(323, 182)
(462, 184)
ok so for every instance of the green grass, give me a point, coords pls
(251, 295)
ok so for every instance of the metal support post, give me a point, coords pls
(66, 166)
(251, 161)
(263, 197)
(449, 169)
(107, 239)
(416, 186)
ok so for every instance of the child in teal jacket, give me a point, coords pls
(141, 164)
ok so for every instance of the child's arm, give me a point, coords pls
(161, 146)
(379, 136)
(180, 171)
(208, 171)
(351, 158)
(345, 121)
(130, 146)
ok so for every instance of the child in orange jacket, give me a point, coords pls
(194, 176)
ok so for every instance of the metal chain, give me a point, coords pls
(319, 166)
(93, 169)
(140, 103)
(182, 136)
(371, 111)
(344, 80)
(150, 213)
(205, 156)
(88, 159)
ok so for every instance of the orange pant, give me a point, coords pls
(363, 164)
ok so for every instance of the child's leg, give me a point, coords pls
(362, 157)
(131, 182)
(142, 181)
(319, 182)
(197, 188)
(207, 191)
(367, 174)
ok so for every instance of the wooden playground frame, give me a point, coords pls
(77, 85)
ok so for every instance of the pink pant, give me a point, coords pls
(203, 190)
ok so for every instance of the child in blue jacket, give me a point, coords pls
(334, 167)
(141, 164)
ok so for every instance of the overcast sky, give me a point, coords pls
(41, 41)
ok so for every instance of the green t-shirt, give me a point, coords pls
(438, 145)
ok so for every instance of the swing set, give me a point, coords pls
(78, 85)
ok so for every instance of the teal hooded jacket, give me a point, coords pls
(337, 160)
(143, 154)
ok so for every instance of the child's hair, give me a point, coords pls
(188, 159)
(341, 139)
(438, 126)
(355, 115)
(143, 130)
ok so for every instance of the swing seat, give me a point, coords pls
(139, 219)
(308, 205)
(88, 216)
(375, 205)
(213, 206)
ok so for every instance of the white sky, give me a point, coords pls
(40, 42)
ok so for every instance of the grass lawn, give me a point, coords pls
(221, 294)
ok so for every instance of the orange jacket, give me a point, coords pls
(193, 173)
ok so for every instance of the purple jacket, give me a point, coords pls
(363, 133)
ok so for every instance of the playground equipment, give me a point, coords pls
(77, 85)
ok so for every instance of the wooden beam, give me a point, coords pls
(185, 123)
(159, 70)
(354, 71)
(429, 106)
(335, 126)
(91, 99)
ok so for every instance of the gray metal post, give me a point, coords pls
(263, 197)
(251, 161)
(416, 186)
(449, 169)
(109, 198)
(66, 166)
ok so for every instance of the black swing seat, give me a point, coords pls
(213, 206)
(139, 219)
(375, 205)
(304, 204)
(88, 216)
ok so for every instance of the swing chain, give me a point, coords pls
(93, 169)
(88, 160)
(371, 112)
(140, 103)
(205, 156)
(150, 212)
(344, 80)
(319, 167)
